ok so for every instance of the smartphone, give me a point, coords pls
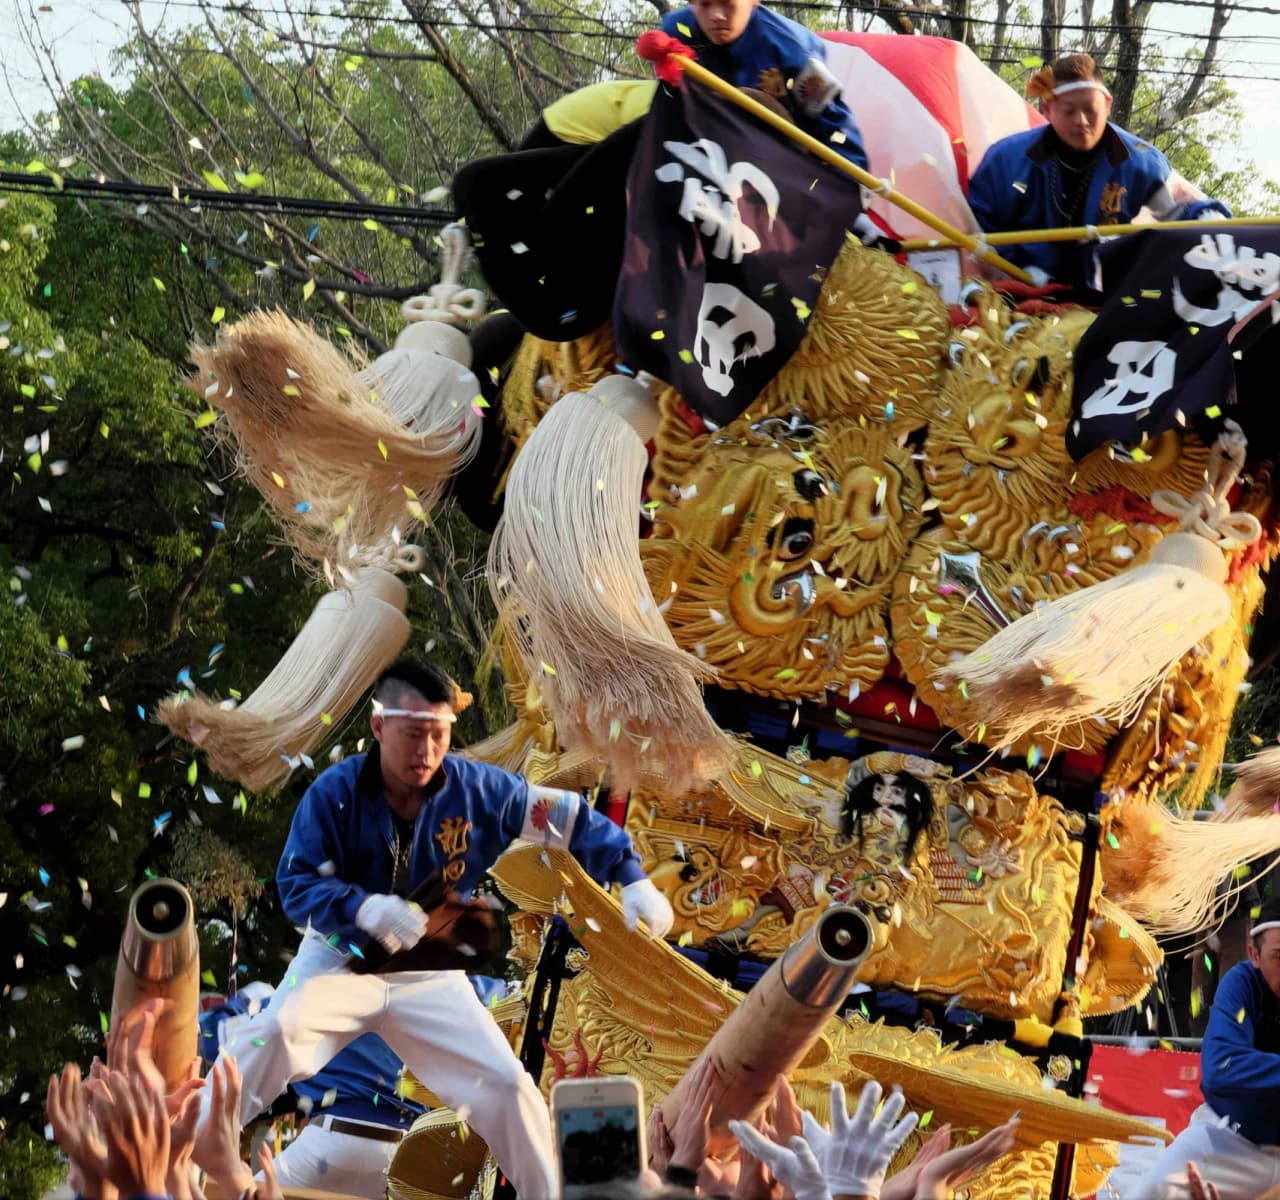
(599, 1127)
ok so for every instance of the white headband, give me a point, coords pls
(1081, 85)
(1257, 929)
(417, 714)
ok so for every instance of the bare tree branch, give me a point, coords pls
(454, 65)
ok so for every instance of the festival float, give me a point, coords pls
(942, 619)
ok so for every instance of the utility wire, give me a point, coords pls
(299, 206)
(248, 11)
(383, 17)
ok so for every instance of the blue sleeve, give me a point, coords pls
(985, 189)
(310, 876)
(1196, 208)
(671, 21)
(837, 128)
(834, 125)
(1231, 1065)
(564, 820)
(604, 849)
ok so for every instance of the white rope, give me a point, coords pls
(1207, 511)
(448, 301)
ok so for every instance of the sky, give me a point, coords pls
(83, 34)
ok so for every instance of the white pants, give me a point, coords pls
(1238, 1168)
(433, 1021)
(336, 1162)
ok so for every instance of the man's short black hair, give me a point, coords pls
(1269, 912)
(428, 680)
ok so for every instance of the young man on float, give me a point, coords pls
(1234, 1137)
(366, 834)
(1078, 170)
(753, 47)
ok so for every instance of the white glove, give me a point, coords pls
(856, 1153)
(642, 901)
(1039, 276)
(393, 921)
(796, 1168)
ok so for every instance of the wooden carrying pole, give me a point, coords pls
(1089, 233)
(950, 234)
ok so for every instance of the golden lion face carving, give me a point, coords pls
(996, 458)
(774, 555)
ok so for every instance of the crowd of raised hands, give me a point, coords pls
(126, 1135)
(788, 1152)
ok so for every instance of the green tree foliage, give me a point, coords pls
(135, 564)
(126, 562)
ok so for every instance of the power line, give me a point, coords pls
(248, 11)
(351, 13)
(296, 206)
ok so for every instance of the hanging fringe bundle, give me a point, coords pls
(1257, 787)
(1098, 652)
(1167, 870)
(349, 639)
(328, 450)
(564, 567)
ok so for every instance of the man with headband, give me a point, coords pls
(1234, 1137)
(1079, 170)
(366, 834)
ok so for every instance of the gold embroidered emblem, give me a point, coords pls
(1109, 205)
(453, 870)
(453, 836)
(772, 84)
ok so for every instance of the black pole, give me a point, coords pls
(543, 1000)
(1064, 1164)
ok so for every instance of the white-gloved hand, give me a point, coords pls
(855, 1154)
(393, 921)
(1039, 276)
(642, 901)
(795, 1168)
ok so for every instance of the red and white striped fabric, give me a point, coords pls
(928, 109)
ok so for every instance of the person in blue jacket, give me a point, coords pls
(752, 47)
(1234, 1137)
(1078, 170)
(367, 832)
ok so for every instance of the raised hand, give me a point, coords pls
(857, 1151)
(1198, 1187)
(76, 1130)
(182, 1137)
(692, 1130)
(794, 1166)
(658, 1139)
(785, 1113)
(956, 1167)
(135, 1128)
(756, 1180)
(902, 1186)
(217, 1144)
(270, 1188)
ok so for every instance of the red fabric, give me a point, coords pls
(926, 65)
(1153, 1083)
(1117, 502)
(662, 49)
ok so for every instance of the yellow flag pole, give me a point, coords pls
(950, 234)
(1088, 233)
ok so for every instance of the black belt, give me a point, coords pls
(378, 1133)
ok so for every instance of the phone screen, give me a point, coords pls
(598, 1144)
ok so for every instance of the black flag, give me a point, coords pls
(730, 230)
(1187, 312)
